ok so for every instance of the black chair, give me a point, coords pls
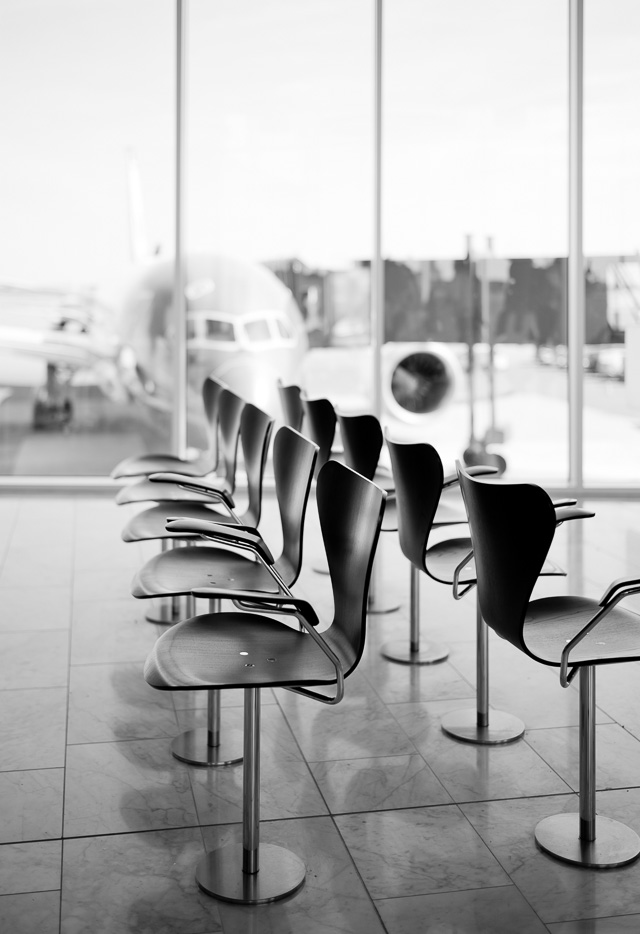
(512, 527)
(145, 464)
(180, 572)
(320, 425)
(232, 650)
(363, 442)
(419, 479)
(230, 408)
(255, 435)
(291, 404)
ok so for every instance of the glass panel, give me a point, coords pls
(87, 96)
(219, 330)
(612, 242)
(475, 229)
(280, 182)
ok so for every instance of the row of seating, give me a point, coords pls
(504, 562)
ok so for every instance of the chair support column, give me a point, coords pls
(251, 873)
(398, 651)
(571, 837)
(482, 726)
(205, 746)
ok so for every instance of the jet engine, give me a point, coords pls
(418, 378)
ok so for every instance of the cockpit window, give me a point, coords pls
(283, 329)
(220, 330)
(257, 330)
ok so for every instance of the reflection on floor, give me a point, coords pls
(403, 829)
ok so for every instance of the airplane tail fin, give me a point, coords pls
(138, 238)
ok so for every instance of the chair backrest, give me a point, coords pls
(350, 510)
(512, 526)
(418, 475)
(362, 441)
(255, 434)
(211, 391)
(320, 426)
(230, 408)
(291, 403)
(294, 458)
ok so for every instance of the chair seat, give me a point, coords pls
(151, 523)
(178, 572)
(146, 464)
(442, 559)
(552, 621)
(150, 491)
(187, 657)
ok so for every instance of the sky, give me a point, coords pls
(280, 130)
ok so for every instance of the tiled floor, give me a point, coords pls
(403, 830)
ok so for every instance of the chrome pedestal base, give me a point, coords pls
(192, 747)
(615, 843)
(501, 728)
(399, 650)
(220, 874)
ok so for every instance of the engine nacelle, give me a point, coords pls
(418, 377)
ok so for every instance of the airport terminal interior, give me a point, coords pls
(395, 209)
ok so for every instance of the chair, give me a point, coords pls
(180, 572)
(255, 435)
(320, 421)
(232, 650)
(512, 526)
(420, 481)
(291, 403)
(363, 441)
(230, 408)
(145, 464)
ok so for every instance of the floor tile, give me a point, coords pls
(333, 899)
(500, 910)
(378, 784)
(34, 662)
(114, 702)
(31, 805)
(617, 755)
(111, 631)
(142, 882)
(30, 867)
(418, 851)
(32, 727)
(630, 924)
(35, 608)
(114, 787)
(30, 912)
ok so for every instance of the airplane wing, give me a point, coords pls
(61, 348)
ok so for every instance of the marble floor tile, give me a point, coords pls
(418, 851)
(617, 755)
(34, 608)
(30, 867)
(111, 631)
(104, 583)
(396, 683)
(31, 805)
(34, 662)
(630, 924)
(558, 891)
(30, 565)
(277, 742)
(136, 882)
(359, 727)
(333, 899)
(470, 772)
(378, 784)
(115, 787)
(32, 727)
(114, 702)
(30, 912)
(500, 910)
(234, 697)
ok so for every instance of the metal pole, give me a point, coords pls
(179, 410)
(213, 698)
(575, 271)
(377, 264)
(482, 669)
(414, 610)
(588, 753)
(251, 782)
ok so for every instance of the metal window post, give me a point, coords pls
(179, 410)
(575, 270)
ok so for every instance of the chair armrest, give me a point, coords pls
(218, 494)
(457, 592)
(286, 604)
(480, 471)
(616, 592)
(249, 540)
(565, 513)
